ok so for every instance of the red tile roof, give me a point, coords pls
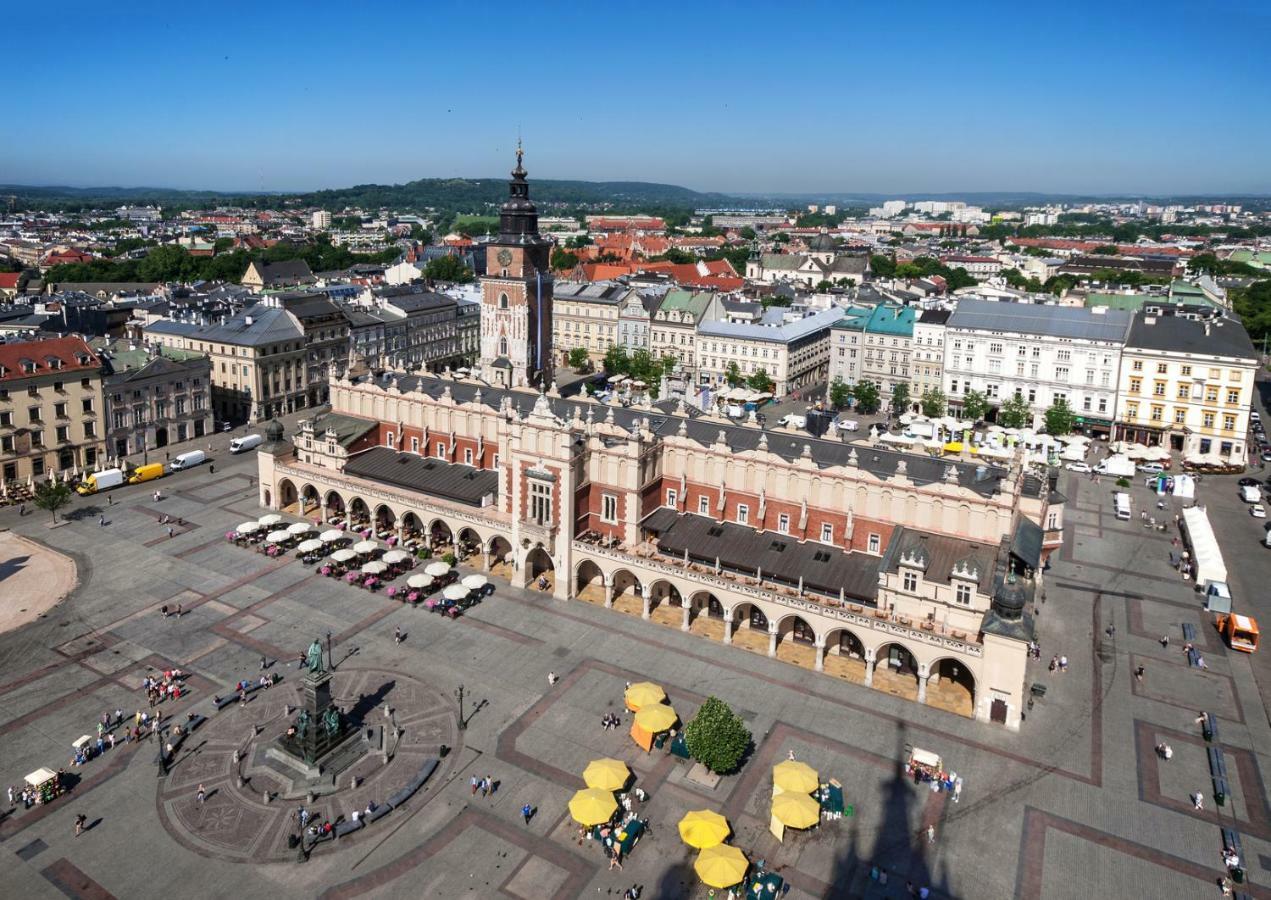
(9, 280)
(15, 357)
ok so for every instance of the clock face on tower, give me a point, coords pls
(505, 257)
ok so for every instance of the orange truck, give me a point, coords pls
(1240, 632)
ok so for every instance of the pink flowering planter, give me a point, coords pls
(351, 577)
(391, 592)
(413, 597)
(325, 570)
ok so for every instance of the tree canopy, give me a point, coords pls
(900, 398)
(840, 393)
(975, 405)
(1059, 418)
(1014, 413)
(448, 268)
(868, 398)
(51, 496)
(717, 737)
(933, 402)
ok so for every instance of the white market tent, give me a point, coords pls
(1204, 546)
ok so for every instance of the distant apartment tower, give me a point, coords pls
(831, 209)
(321, 220)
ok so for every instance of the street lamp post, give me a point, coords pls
(330, 656)
(459, 695)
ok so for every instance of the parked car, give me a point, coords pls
(1083, 468)
(1251, 494)
(1257, 511)
(790, 420)
(1151, 468)
(1248, 482)
(1266, 455)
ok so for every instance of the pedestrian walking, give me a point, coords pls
(490, 783)
(11, 795)
(957, 789)
(101, 521)
(80, 821)
(397, 635)
(211, 470)
(485, 788)
(527, 813)
(202, 794)
(476, 785)
(1138, 674)
(1165, 641)
(169, 531)
(931, 834)
(1198, 800)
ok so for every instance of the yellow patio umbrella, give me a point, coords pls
(645, 693)
(796, 810)
(702, 828)
(792, 775)
(655, 718)
(721, 866)
(606, 774)
(591, 806)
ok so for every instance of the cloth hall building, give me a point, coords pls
(895, 571)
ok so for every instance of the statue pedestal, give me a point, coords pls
(314, 738)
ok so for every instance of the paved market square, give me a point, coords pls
(1076, 800)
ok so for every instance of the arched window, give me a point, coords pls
(503, 346)
(503, 301)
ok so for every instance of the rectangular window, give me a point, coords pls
(63, 434)
(963, 594)
(1158, 389)
(1207, 419)
(875, 543)
(390, 439)
(1137, 366)
(783, 523)
(743, 514)
(910, 581)
(1180, 416)
(467, 456)
(90, 429)
(540, 502)
(1185, 370)
(609, 508)
(1233, 396)
(33, 414)
(671, 496)
(87, 405)
(1229, 423)
(827, 533)
(439, 450)
(704, 505)
(6, 419)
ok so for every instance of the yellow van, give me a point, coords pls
(146, 473)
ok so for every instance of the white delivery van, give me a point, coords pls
(1120, 466)
(188, 460)
(1121, 504)
(246, 442)
(1251, 494)
(100, 481)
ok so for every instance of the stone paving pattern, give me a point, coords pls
(1077, 799)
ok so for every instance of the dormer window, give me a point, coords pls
(909, 580)
(28, 366)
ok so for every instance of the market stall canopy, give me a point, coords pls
(365, 547)
(655, 718)
(374, 568)
(455, 592)
(277, 537)
(39, 776)
(643, 693)
(606, 774)
(393, 557)
(792, 775)
(269, 519)
(721, 866)
(475, 582)
(796, 810)
(248, 528)
(343, 556)
(332, 535)
(437, 569)
(703, 828)
(591, 806)
(299, 528)
(310, 546)
(418, 581)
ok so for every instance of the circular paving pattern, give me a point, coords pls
(237, 825)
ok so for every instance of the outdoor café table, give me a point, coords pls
(765, 885)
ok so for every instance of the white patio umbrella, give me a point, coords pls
(418, 581)
(474, 582)
(300, 528)
(277, 537)
(455, 592)
(395, 556)
(365, 547)
(269, 519)
(343, 556)
(248, 528)
(330, 537)
(374, 568)
(310, 546)
(437, 569)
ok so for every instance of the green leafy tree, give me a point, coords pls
(1059, 418)
(717, 737)
(822, 286)
(747, 233)
(975, 406)
(933, 402)
(882, 266)
(578, 357)
(899, 399)
(448, 268)
(1014, 413)
(759, 380)
(1107, 250)
(617, 362)
(732, 375)
(840, 393)
(868, 398)
(563, 260)
(675, 255)
(52, 495)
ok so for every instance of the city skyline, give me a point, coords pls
(1056, 102)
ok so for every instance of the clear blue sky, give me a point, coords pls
(912, 97)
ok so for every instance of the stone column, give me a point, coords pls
(923, 675)
(728, 628)
(645, 612)
(820, 652)
(772, 638)
(607, 581)
(870, 657)
(322, 511)
(688, 615)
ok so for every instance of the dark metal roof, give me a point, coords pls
(940, 555)
(1219, 337)
(780, 557)
(664, 421)
(1027, 542)
(435, 477)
